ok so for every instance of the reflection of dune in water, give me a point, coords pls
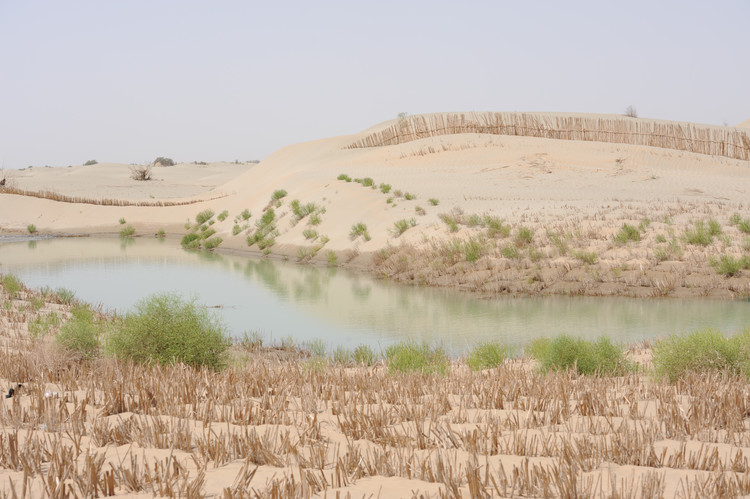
(364, 309)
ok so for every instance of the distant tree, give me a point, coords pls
(630, 111)
(160, 161)
(91, 162)
(402, 115)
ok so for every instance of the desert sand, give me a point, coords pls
(572, 195)
(280, 424)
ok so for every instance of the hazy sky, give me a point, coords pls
(128, 81)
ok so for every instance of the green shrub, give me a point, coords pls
(122, 221)
(127, 231)
(278, 194)
(401, 226)
(344, 177)
(496, 227)
(162, 161)
(223, 215)
(487, 355)
(204, 216)
(81, 334)
(359, 229)
(434, 201)
(245, 214)
(510, 252)
(627, 233)
(728, 265)
(316, 347)
(714, 227)
(409, 196)
(191, 241)
(332, 258)
(699, 235)
(701, 351)
(735, 219)
(91, 162)
(363, 354)
(236, 229)
(42, 324)
(161, 234)
(65, 296)
(12, 285)
(310, 234)
(473, 250)
(744, 225)
(212, 243)
(342, 355)
(166, 329)
(301, 211)
(315, 218)
(409, 357)
(588, 257)
(368, 182)
(537, 348)
(524, 236)
(588, 357)
(31, 228)
(661, 239)
(385, 188)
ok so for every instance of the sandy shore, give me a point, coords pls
(280, 424)
(571, 196)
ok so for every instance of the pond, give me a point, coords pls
(283, 299)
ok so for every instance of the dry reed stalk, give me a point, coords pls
(63, 198)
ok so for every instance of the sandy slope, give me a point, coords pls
(583, 190)
(744, 124)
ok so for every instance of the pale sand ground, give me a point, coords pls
(581, 191)
(358, 430)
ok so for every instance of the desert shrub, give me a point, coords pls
(191, 241)
(315, 218)
(587, 357)
(245, 215)
(122, 221)
(385, 188)
(450, 220)
(409, 196)
(212, 243)
(359, 229)
(487, 355)
(631, 112)
(364, 355)
(140, 172)
(627, 233)
(728, 265)
(342, 355)
(161, 234)
(419, 211)
(42, 324)
(278, 194)
(310, 234)
(588, 257)
(714, 227)
(368, 182)
(407, 357)
(204, 216)
(699, 235)
(127, 231)
(344, 177)
(236, 229)
(65, 296)
(473, 249)
(223, 215)
(524, 236)
(31, 228)
(701, 351)
(434, 201)
(744, 225)
(91, 162)
(332, 259)
(161, 161)
(510, 252)
(12, 285)
(81, 334)
(166, 329)
(302, 210)
(401, 226)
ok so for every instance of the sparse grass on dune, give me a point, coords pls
(266, 423)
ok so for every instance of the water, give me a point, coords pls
(283, 299)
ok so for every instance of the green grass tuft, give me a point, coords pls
(627, 233)
(81, 334)
(487, 355)
(587, 357)
(409, 357)
(363, 354)
(434, 201)
(204, 216)
(31, 228)
(359, 229)
(223, 215)
(127, 231)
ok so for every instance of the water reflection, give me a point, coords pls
(305, 302)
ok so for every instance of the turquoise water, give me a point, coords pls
(282, 299)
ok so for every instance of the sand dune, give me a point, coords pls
(584, 191)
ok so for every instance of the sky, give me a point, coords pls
(236, 80)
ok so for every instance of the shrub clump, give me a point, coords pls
(166, 329)
(408, 357)
(627, 233)
(81, 334)
(587, 357)
(359, 229)
(12, 285)
(487, 356)
(162, 161)
(701, 351)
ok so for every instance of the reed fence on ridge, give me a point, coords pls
(729, 142)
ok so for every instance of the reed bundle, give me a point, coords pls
(729, 142)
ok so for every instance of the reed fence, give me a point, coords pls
(703, 139)
(63, 198)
